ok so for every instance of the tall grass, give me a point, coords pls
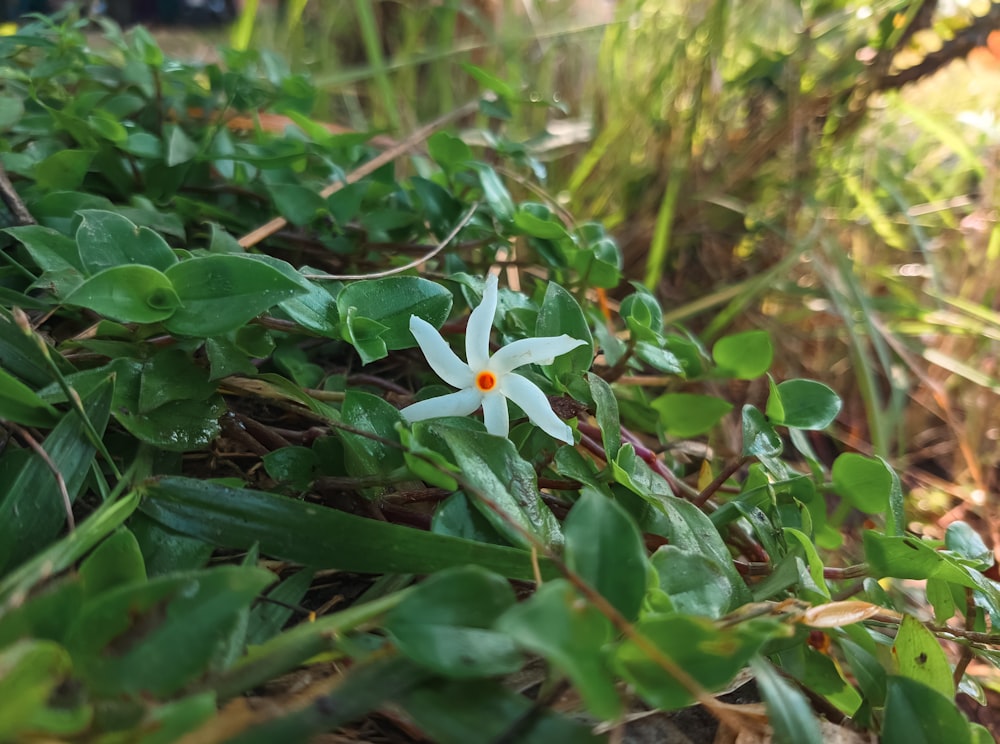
(391, 65)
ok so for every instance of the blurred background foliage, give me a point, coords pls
(823, 169)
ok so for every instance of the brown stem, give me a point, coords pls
(957, 48)
(60, 481)
(970, 623)
(13, 201)
(720, 479)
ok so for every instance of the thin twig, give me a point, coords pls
(269, 229)
(60, 481)
(970, 624)
(412, 264)
(13, 201)
(720, 479)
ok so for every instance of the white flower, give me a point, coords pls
(489, 381)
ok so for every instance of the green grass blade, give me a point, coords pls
(316, 536)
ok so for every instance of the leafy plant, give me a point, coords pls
(208, 483)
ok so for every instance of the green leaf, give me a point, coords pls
(744, 356)
(865, 482)
(538, 221)
(115, 562)
(912, 558)
(495, 192)
(571, 635)
(22, 405)
(448, 151)
(689, 529)
(129, 294)
(315, 536)
(49, 248)
(441, 210)
(169, 722)
(641, 311)
(607, 414)
(788, 711)
(11, 111)
(30, 672)
(803, 404)
(172, 375)
(143, 145)
(106, 240)
(941, 597)
(171, 624)
(659, 358)
(813, 583)
(291, 466)
(689, 414)
(369, 684)
(106, 127)
(222, 292)
(695, 583)
(180, 148)
(818, 672)
(268, 618)
(446, 624)
(316, 310)
(918, 714)
(759, 437)
(494, 468)
(706, 654)
(919, 656)
(369, 413)
(866, 670)
(298, 204)
(15, 585)
(561, 314)
(391, 301)
(31, 506)
(961, 539)
(604, 546)
(165, 551)
(427, 464)
(187, 420)
(365, 335)
(490, 81)
(464, 711)
(63, 170)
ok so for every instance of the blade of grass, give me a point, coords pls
(715, 26)
(317, 536)
(372, 41)
(243, 29)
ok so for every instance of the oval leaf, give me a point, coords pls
(446, 624)
(107, 239)
(220, 293)
(743, 355)
(804, 404)
(130, 294)
(689, 414)
(391, 301)
(604, 546)
(864, 481)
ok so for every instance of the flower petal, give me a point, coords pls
(439, 355)
(477, 333)
(461, 403)
(533, 402)
(495, 414)
(532, 351)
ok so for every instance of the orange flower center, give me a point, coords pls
(486, 381)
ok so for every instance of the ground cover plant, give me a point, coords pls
(232, 507)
